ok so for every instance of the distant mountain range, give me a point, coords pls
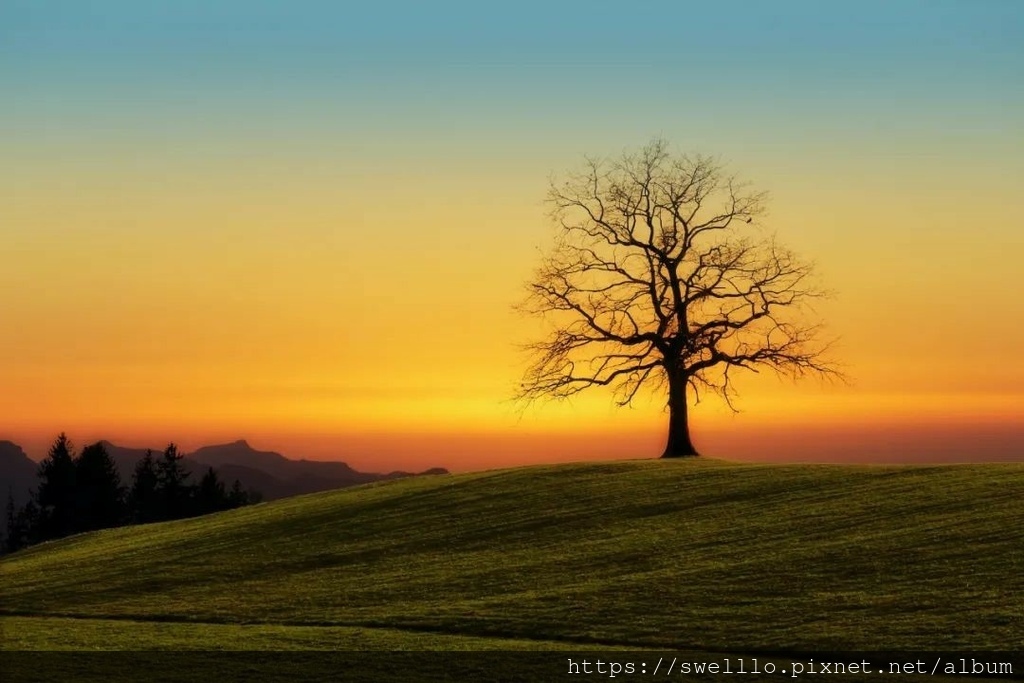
(271, 474)
(17, 475)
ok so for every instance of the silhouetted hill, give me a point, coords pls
(724, 557)
(266, 473)
(270, 473)
(288, 477)
(251, 478)
(240, 452)
(17, 473)
(17, 478)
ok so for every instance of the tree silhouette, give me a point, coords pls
(210, 495)
(100, 496)
(84, 493)
(144, 498)
(662, 277)
(11, 542)
(23, 526)
(56, 493)
(174, 490)
(237, 497)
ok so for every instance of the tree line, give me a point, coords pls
(83, 492)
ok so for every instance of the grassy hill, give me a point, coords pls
(698, 556)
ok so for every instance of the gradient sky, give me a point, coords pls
(304, 223)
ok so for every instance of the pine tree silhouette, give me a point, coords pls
(144, 497)
(100, 496)
(56, 494)
(210, 496)
(237, 497)
(174, 489)
(11, 541)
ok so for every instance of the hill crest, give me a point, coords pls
(700, 554)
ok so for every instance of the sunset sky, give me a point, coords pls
(304, 223)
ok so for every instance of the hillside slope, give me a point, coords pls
(698, 555)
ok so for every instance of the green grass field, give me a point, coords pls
(689, 556)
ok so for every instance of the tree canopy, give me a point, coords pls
(663, 276)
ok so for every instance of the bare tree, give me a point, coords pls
(662, 277)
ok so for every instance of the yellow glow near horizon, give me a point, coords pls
(234, 298)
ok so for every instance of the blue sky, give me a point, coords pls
(539, 72)
(942, 40)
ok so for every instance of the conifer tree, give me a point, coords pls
(210, 496)
(25, 529)
(56, 494)
(175, 491)
(237, 497)
(100, 495)
(10, 542)
(143, 498)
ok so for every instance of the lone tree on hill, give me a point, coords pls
(662, 276)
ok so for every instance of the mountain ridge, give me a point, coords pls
(17, 473)
(270, 473)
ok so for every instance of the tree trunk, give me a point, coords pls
(679, 445)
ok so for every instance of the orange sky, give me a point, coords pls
(326, 266)
(229, 306)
